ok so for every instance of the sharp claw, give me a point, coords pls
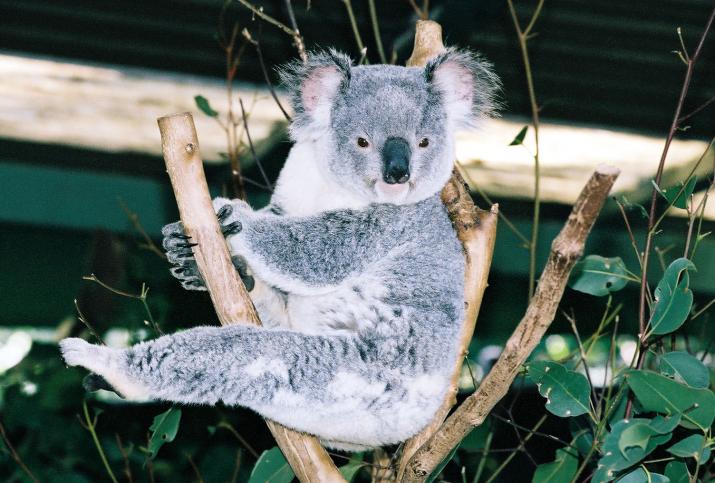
(185, 245)
(232, 228)
(224, 212)
(181, 236)
(249, 282)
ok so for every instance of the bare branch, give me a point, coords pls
(565, 250)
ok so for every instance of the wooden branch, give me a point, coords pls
(233, 305)
(566, 249)
(476, 229)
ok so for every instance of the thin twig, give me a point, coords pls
(356, 32)
(83, 319)
(229, 427)
(264, 70)
(134, 219)
(250, 144)
(15, 456)
(125, 458)
(697, 109)
(376, 31)
(195, 468)
(294, 33)
(521, 446)
(523, 37)
(483, 460)
(90, 426)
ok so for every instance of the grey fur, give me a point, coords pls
(361, 303)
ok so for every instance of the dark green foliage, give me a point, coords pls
(599, 276)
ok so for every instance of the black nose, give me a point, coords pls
(396, 161)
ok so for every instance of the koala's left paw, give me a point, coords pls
(230, 213)
(78, 352)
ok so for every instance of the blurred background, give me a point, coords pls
(83, 188)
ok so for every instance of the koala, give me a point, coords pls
(354, 266)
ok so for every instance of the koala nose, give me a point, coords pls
(396, 161)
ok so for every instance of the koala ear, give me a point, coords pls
(313, 87)
(467, 84)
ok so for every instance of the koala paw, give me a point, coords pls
(179, 249)
(179, 252)
(94, 382)
(79, 352)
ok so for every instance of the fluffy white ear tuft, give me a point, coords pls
(467, 84)
(313, 88)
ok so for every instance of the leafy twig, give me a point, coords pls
(523, 37)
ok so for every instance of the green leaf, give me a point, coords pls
(673, 298)
(353, 467)
(693, 446)
(581, 434)
(203, 104)
(351, 470)
(567, 392)
(660, 394)
(679, 200)
(562, 469)
(665, 424)
(599, 276)
(272, 467)
(519, 139)
(677, 472)
(635, 435)
(685, 368)
(615, 460)
(639, 475)
(164, 429)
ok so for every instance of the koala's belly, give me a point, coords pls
(354, 305)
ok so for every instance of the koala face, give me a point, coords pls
(387, 132)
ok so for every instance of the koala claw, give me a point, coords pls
(94, 382)
(231, 228)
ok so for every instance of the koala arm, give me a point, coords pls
(316, 384)
(312, 254)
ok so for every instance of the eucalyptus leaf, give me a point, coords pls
(203, 104)
(164, 429)
(567, 392)
(635, 435)
(678, 195)
(519, 138)
(663, 395)
(599, 276)
(693, 446)
(272, 467)
(673, 298)
(677, 472)
(614, 460)
(639, 475)
(685, 368)
(351, 470)
(561, 470)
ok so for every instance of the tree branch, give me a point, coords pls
(565, 251)
(476, 229)
(233, 305)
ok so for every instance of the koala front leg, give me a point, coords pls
(311, 255)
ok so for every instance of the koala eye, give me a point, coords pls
(424, 143)
(362, 142)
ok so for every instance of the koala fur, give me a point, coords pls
(358, 280)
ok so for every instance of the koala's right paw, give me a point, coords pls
(179, 252)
